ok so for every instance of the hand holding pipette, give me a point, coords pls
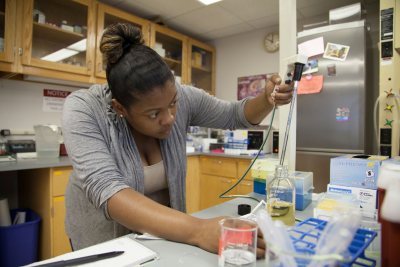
(277, 93)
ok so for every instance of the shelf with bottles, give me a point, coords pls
(201, 59)
(55, 33)
(172, 46)
(202, 66)
(59, 26)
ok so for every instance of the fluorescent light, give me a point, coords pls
(40, 79)
(209, 2)
(60, 55)
(64, 53)
(78, 46)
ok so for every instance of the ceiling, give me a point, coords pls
(225, 18)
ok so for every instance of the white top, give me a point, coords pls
(155, 183)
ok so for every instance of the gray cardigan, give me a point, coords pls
(105, 158)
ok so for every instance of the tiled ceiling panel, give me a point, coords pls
(260, 23)
(205, 19)
(250, 9)
(230, 30)
(164, 8)
(227, 17)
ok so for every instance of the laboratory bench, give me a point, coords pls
(173, 254)
(38, 163)
(40, 184)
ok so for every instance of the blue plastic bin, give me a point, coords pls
(19, 243)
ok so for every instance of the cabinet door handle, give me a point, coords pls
(227, 181)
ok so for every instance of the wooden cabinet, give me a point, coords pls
(108, 15)
(192, 184)
(218, 174)
(201, 66)
(172, 46)
(42, 190)
(7, 34)
(59, 38)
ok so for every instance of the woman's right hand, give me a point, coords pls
(208, 233)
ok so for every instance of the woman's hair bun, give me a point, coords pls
(118, 38)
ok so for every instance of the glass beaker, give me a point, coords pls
(238, 243)
(281, 196)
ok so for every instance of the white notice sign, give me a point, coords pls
(53, 100)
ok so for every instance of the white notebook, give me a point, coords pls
(134, 253)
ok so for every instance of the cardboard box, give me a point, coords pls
(355, 172)
(368, 197)
(262, 168)
(196, 59)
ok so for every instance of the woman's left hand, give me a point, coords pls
(276, 93)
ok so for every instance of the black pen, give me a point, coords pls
(82, 260)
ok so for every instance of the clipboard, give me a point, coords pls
(134, 253)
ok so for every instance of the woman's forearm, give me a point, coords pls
(256, 109)
(139, 213)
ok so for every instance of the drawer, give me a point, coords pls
(60, 177)
(242, 167)
(218, 166)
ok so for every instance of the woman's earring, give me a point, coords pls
(121, 115)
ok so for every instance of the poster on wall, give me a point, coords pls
(53, 100)
(251, 85)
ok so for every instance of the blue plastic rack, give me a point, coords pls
(305, 237)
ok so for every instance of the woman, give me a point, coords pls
(127, 146)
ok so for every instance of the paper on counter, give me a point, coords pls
(146, 236)
(135, 253)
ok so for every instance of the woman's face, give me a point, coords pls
(153, 114)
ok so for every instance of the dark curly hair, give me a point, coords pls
(132, 67)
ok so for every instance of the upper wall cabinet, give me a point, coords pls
(106, 16)
(172, 46)
(7, 26)
(202, 66)
(59, 35)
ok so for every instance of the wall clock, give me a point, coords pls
(271, 42)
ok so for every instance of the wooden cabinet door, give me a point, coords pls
(60, 178)
(244, 187)
(201, 66)
(61, 243)
(192, 184)
(59, 35)
(7, 30)
(211, 188)
(106, 16)
(172, 46)
(225, 167)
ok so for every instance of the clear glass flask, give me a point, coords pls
(281, 196)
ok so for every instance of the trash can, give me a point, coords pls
(19, 242)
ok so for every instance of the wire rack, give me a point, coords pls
(305, 237)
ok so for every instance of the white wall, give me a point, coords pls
(21, 104)
(243, 55)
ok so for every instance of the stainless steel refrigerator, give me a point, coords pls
(333, 122)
